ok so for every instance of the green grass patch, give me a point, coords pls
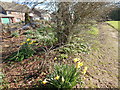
(93, 30)
(115, 24)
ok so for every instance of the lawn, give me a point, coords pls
(115, 24)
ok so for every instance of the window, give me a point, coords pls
(18, 19)
(9, 12)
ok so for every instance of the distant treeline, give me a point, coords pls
(115, 15)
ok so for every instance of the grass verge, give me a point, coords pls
(115, 24)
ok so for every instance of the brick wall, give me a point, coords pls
(18, 16)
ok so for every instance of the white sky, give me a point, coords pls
(6, 0)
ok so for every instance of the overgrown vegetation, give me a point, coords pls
(54, 45)
(63, 76)
(24, 52)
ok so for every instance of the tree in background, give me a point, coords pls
(115, 14)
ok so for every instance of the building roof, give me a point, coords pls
(14, 7)
(3, 15)
(2, 10)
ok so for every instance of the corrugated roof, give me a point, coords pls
(14, 7)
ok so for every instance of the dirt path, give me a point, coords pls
(103, 63)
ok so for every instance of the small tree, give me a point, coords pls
(27, 18)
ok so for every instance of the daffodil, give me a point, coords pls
(79, 64)
(76, 60)
(44, 81)
(55, 58)
(63, 79)
(28, 39)
(37, 43)
(34, 41)
(31, 42)
(57, 77)
(84, 70)
(22, 43)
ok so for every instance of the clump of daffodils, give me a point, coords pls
(28, 41)
(80, 64)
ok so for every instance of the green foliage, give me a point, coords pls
(75, 47)
(62, 56)
(24, 52)
(64, 76)
(93, 30)
(1, 79)
(28, 32)
(44, 35)
(15, 34)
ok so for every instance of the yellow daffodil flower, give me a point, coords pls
(63, 79)
(31, 42)
(85, 69)
(79, 64)
(55, 58)
(44, 81)
(57, 77)
(37, 43)
(76, 60)
(34, 41)
(28, 39)
(22, 43)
